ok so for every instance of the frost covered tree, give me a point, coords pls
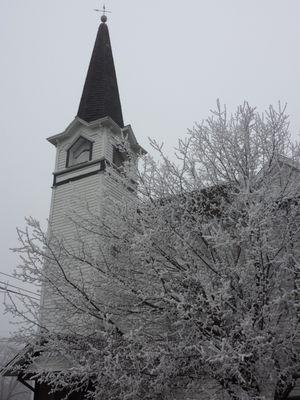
(11, 388)
(194, 291)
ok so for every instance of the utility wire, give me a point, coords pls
(11, 276)
(5, 290)
(18, 287)
(14, 277)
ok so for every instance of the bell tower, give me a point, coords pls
(85, 152)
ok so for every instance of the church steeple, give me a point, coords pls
(100, 97)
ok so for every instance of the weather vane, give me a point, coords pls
(104, 11)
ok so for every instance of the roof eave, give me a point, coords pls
(106, 122)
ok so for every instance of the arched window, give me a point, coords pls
(79, 152)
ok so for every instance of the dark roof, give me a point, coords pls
(100, 97)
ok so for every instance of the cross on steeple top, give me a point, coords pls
(104, 11)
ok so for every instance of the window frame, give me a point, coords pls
(122, 154)
(71, 147)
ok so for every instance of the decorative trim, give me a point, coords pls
(103, 163)
(78, 135)
(102, 167)
(79, 166)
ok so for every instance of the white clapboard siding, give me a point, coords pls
(67, 199)
(73, 197)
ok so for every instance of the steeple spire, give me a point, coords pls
(100, 97)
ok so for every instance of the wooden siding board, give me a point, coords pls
(65, 199)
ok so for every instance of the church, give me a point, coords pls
(89, 163)
(88, 146)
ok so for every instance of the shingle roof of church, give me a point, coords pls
(100, 97)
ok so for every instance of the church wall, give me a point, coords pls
(74, 198)
(115, 187)
(69, 200)
(110, 141)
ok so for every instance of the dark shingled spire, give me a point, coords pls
(100, 97)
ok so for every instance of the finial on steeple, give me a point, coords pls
(104, 11)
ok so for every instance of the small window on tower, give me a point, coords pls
(119, 157)
(79, 152)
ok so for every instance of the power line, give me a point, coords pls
(18, 287)
(5, 290)
(12, 276)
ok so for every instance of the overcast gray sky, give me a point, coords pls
(173, 60)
